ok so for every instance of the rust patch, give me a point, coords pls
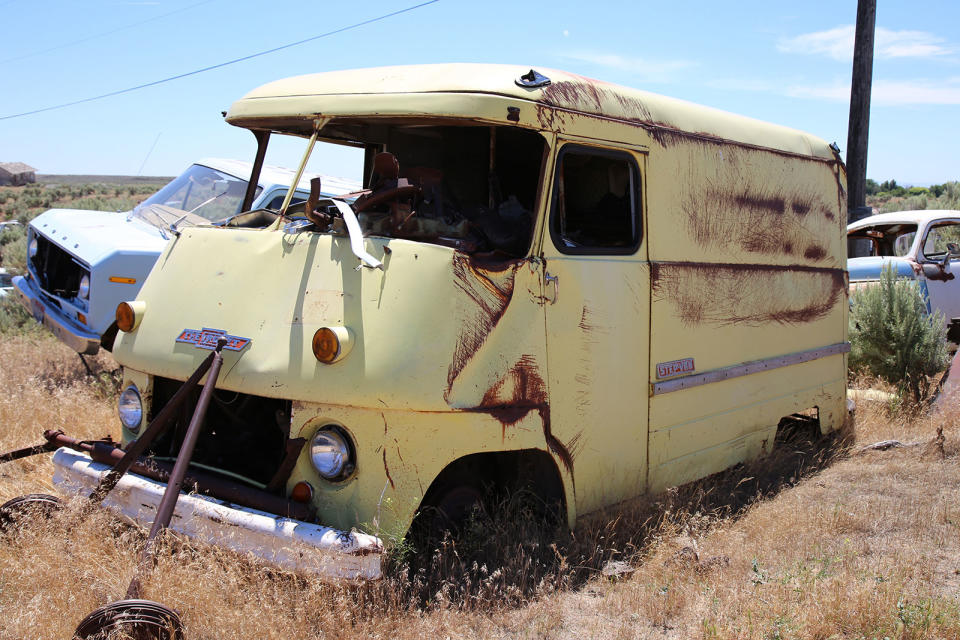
(386, 469)
(573, 94)
(753, 221)
(728, 294)
(487, 291)
(521, 390)
(936, 272)
(518, 393)
(767, 204)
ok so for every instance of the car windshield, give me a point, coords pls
(473, 188)
(205, 194)
(885, 240)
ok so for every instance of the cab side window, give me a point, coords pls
(596, 202)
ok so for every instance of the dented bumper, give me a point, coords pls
(288, 543)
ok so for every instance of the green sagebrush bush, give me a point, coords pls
(14, 319)
(893, 337)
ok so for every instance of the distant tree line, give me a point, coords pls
(891, 188)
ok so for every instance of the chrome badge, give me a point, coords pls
(207, 339)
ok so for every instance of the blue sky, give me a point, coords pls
(787, 63)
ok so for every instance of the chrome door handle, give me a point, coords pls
(556, 286)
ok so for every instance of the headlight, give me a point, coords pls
(32, 247)
(130, 408)
(331, 454)
(84, 289)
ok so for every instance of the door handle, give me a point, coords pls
(556, 286)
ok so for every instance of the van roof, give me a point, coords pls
(350, 93)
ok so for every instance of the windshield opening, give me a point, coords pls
(939, 239)
(885, 240)
(467, 186)
(202, 193)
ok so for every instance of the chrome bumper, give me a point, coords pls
(76, 338)
(290, 544)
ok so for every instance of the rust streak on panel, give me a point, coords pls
(725, 294)
(755, 222)
(387, 470)
(487, 291)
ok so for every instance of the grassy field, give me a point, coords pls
(819, 540)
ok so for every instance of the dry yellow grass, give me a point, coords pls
(813, 542)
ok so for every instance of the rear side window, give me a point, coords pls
(596, 202)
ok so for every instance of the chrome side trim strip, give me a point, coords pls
(745, 369)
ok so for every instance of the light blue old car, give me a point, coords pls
(82, 264)
(922, 245)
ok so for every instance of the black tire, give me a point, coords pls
(138, 619)
(20, 510)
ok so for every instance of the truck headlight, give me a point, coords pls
(130, 409)
(331, 453)
(32, 247)
(84, 289)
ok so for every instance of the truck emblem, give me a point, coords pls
(207, 339)
(674, 368)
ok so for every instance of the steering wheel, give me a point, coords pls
(388, 195)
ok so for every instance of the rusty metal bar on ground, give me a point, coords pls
(26, 452)
(175, 482)
(156, 427)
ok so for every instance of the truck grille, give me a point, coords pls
(242, 434)
(58, 271)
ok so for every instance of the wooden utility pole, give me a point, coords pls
(859, 123)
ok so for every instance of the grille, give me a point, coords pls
(56, 269)
(242, 434)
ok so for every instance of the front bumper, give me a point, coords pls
(290, 544)
(78, 339)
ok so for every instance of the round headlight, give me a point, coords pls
(84, 289)
(32, 247)
(130, 408)
(331, 454)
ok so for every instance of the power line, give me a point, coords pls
(105, 33)
(222, 64)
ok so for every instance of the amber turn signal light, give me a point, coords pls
(129, 315)
(326, 345)
(302, 492)
(331, 344)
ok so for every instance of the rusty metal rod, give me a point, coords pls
(26, 452)
(209, 484)
(156, 427)
(106, 452)
(175, 482)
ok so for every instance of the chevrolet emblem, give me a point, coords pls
(207, 339)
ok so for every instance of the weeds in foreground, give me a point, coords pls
(804, 543)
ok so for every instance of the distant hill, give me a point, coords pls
(53, 179)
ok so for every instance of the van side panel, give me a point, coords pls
(747, 266)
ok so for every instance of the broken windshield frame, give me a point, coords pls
(462, 184)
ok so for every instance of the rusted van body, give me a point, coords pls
(591, 289)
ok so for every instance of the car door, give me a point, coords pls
(596, 301)
(942, 272)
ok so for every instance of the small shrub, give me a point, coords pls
(894, 338)
(14, 319)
